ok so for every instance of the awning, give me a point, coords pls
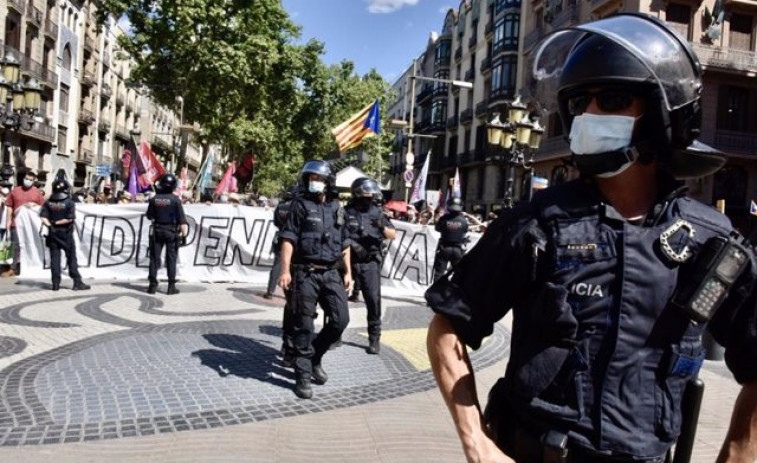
(346, 176)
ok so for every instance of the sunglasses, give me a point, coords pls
(609, 101)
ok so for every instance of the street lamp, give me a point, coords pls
(518, 137)
(409, 156)
(21, 109)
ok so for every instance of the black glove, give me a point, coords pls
(359, 251)
(379, 223)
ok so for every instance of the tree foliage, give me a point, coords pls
(244, 78)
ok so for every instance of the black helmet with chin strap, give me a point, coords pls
(365, 187)
(167, 184)
(61, 190)
(641, 54)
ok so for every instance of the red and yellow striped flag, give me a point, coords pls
(363, 124)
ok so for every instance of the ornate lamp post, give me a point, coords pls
(519, 138)
(21, 109)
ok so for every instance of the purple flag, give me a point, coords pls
(133, 174)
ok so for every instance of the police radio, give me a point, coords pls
(717, 267)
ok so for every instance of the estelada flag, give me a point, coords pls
(351, 132)
(151, 166)
(753, 208)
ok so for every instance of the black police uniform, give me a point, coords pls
(61, 237)
(366, 233)
(453, 227)
(598, 352)
(167, 215)
(318, 235)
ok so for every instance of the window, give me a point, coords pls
(741, 32)
(733, 108)
(503, 75)
(439, 112)
(481, 182)
(679, 17)
(466, 146)
(511, 31)
(452, 150)
(498, 41)
(67, 57)
(730, 184)
(63, 98)
(443, 51)
(62, 140)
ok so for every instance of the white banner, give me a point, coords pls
(225, 243)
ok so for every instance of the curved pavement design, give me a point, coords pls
(115, 362)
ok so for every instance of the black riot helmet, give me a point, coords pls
(320, 168)
(640, 54)
(365, 187)
(61, 190)
(455, 204)
(167, 183)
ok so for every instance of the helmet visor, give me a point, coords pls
(661, 50)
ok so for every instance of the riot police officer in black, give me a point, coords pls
(315, 267)
(453, 228)
(368, 228)
(169, 225)
(598, 271)
(58, 215)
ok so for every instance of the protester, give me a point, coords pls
(24, 195)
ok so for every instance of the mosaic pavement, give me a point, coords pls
(115, 362)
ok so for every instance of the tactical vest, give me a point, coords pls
(165, 209)
(320, 232)
(58, 210)
(280, 214)
(597, 350)
(452, 228)
(362, 230)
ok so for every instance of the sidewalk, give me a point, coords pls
(114, 374)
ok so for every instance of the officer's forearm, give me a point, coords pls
(46, 222)
(286, 256)
(454, 376)
(390, 233)
(740, 444)
(346, 258)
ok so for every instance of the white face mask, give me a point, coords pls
(315, 186)
(28, 183)
(4, 191)
(594, 133)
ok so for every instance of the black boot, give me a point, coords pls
(152, 288)
(302, 388)
(56, 285)
(335, 344)
(319, 375)
(172, 289)
(373, 346)
(80, 286)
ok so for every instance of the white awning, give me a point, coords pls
(346, 176)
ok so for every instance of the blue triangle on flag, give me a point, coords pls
(753, 208)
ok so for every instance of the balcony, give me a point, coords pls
(106, 59)
(120, 100)
(486, 65)
(34, 17)
(104, 126)
(473, 40)
(466, 117)
(18, 5)
(40, 131)
(451, 161)
(459, 53)
(452, 122)
(726, 58)
(105, 92)
(88, 78)
(482, 108)
(425, 94)
(501, 96)
(86, 156)
(567, 17)
(440, 91)
(31, 67)
(49, 78)
(489, 29)
(86, 116)
(731, 140)
(470, 75)
(122, 133)
(51, 29)
(89, 44)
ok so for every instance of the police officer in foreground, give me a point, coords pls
(453, 227)
(169, 226)
(368, 228)
(314, 249)
(612, 277)
(58, 215)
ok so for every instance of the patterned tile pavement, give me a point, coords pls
(115, 374)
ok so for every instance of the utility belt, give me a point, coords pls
(448, 244)
(167, 226)
(317, 268)
(555, 447)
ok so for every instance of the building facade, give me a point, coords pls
(488, 43)
(88, 111)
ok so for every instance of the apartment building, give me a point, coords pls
(488, 42)
(88, 111)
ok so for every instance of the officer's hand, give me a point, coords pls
(285, 279)
(348, 281)
(485, 450)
